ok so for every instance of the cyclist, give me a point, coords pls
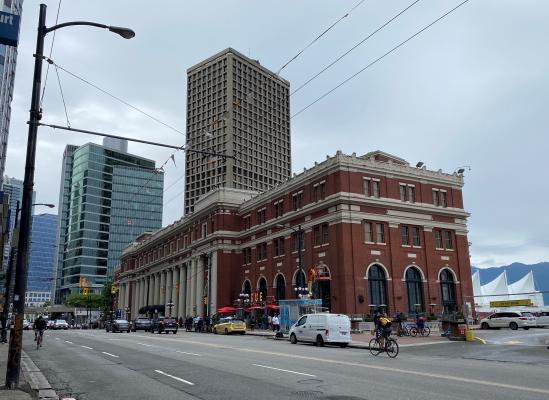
(384, 329)
(420, 323)
(39, 328)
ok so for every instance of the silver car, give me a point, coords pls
(509, 319)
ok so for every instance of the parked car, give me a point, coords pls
(26, 325)
(60, 324)
(228, 325)
(509, 319)
(117, 325)
(50, 324)
(322, 328)
(542, 320)
(164, 324)
(141, 324)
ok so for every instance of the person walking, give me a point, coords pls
(276, 323)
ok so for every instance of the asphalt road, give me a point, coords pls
(97, 365)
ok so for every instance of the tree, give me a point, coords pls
(80, 300)
(47, 303)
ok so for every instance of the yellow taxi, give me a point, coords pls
(228, 325)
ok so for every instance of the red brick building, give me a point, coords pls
(376, 231)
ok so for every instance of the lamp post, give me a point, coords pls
(16, 338)
(127, 309)
(243, 298)
(299, 231)
(170, 306)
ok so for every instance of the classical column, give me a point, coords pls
(144, 292)
(162, 297)
(188, 306)
(134, 297)
(213, 285)
(200, 286)
(193, 287)
(156, 289)
(126, 294)
(182, 290)
(174, 294)
(168, 290)
(121, 296)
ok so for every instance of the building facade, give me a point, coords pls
(240, 109)
(42, 259)
(8, 62)
(376, 232)
(14, 189)
(108, 199)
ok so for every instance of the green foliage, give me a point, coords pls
(79, 300)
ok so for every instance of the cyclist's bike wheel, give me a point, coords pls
(391, 347)
(375, 347)
(413, 331)
(426, 331)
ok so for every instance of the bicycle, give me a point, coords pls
(39, 338)
(415, 330)
(390, 346)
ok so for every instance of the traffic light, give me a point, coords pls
(85, 291)
(205, 299)
(113, 289)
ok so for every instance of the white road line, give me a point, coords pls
(109, 354)
(57, 338)
(284, 370)
(174, 377)
(69, 342)
(86, 347)
(144, 344)
(190, 354)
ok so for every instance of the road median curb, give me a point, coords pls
(40, 387)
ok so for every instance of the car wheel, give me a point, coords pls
(513, 326)
(107, 330)
(215, 331)
(226, 331)
(319, 341)
(293, 339)
(343, 345)
(174, 332)
(526, 328)
(484, 325)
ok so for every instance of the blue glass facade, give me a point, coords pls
(42, 255)
(109, 198)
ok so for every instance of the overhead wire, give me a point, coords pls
(51, 50)
(354, 47)
(378, 59)
(319, 36)
(62, 97)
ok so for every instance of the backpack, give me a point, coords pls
(385, 322)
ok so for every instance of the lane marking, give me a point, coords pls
(371, 366)
(190, 354)
(513, 342)
(109, 354)
(86, 347)
(480, 340)
(144, 344)
(57, 338)
(284, 370)
(174, 377)
(69, 342)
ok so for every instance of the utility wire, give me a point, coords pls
(354, 47)
(62, 97)
(378, 59)
(51, 50)
(319, 36)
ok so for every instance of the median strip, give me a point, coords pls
(284, 370)
(109, 354)
(174, 377)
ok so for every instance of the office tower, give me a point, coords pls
(42, 258)
(107, 199)
(14, 188)
(8, 60)
(240, 109)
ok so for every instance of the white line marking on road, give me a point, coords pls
(86, 347)
(144, 344)
(190, 354)
(284, 370)
(109, 354)
(57, 338)
(174, 377)
(69, 342)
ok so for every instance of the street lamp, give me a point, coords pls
(127, 309)
(243, 298)
(299, 231)
(16, 339)
(170, 306)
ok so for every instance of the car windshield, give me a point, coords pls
(60, 321)
(527, 314)
(121, 321)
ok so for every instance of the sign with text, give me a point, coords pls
(9, 29)
(511, 303)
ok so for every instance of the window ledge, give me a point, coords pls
(416, 247)
(449, 249)
(439, 248)
(405, 245)
(370, 242)
(325, 244)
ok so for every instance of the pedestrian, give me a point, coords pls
(181, 322)
(276, 323)
(265, 320)
(269, 322)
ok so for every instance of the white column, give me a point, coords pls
(156, 285)
(200, 286)
(137, 296)
(193, 287)
(121, 296)
(174, 294)
(182, 290)
(188, 305)
(168, 290)
(134, 297)
(126, 294)
(144, 292)
(213, 272)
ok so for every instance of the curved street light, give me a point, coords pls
(16, 338)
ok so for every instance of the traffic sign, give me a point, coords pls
(9, 29)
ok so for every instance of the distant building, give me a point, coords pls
(107, 198)
(42, 258)
(8, 61)
(235, 107)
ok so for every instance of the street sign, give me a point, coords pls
(511, 303)
(9, 29)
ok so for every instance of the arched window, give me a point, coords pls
(248, 288)
(377, 286)
(414, 286)
(300, 281)
(280, 287)
(448, 290)
(263, 288)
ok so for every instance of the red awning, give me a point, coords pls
(254, 308)
(225, 310)
(273, 307)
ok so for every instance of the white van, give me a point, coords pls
(322, 328)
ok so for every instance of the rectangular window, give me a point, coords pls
(402, 192)
(261, 216)
(325, 234)
(322, 190)
(297, 199)
(279, 246)
(368, 232)
(435, 197)
(296, 242)
(367, 187)
(443, 199)
(448, 240)
(376, 188)
(315, 193)
(204, 230)
(278, 208)
(380, 232)
(246, 222)
(262, 251)
(404, 236)
(416, 240)
(438, 239)
(316, 235)
(411, 194)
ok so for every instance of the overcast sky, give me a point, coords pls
(471, 90)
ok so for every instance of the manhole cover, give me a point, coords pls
(307, 394)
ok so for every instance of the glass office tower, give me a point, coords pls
(109, 198)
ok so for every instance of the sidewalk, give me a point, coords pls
(32, 383)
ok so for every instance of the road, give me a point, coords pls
(99, 365)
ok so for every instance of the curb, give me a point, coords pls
(40, 387)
